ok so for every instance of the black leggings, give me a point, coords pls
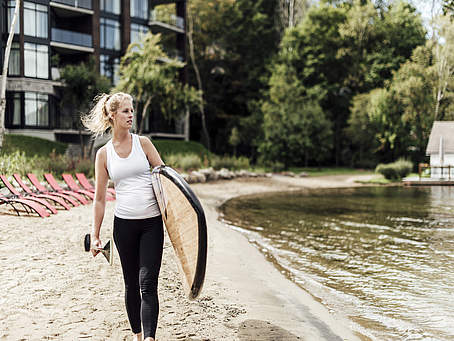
(139, 244)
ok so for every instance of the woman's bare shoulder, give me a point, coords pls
(101, 154)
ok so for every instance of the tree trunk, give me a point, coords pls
(144, 114)
(5, 73)
(81, 141)
(206, 136)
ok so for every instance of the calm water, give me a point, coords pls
(382, 255)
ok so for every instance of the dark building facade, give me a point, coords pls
(72, 31)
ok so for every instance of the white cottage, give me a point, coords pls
(441, 149)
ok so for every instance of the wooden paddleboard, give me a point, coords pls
(185, 222)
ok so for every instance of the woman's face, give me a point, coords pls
(123, 118)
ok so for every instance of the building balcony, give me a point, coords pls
(164, 2)
(86, 4)
(163, 22)
(71, 40)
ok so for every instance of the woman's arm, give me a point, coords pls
(99, 203)
(150, 151)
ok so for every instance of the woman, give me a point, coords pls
(138, 228)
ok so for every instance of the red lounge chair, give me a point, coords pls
(16, 194)
(67, 196)
(87, 185)
(53, 198)
(73, 186)
(56, 187)
(29, 206)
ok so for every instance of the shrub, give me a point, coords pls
(54, 163)
(230, 162)
(184, 161)
(16, 162)
(175, 147)
(395, 170)
(85, 166)
(274, 166)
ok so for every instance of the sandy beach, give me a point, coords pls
(53, 290)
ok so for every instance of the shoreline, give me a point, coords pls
(56, 291)
(278, 301)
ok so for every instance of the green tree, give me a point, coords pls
(151, 76)
(311, 51)
(232, 64)
(295, 129)
(376, 128)
(348, 49)
(82, 82)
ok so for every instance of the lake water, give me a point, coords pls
(384, 256)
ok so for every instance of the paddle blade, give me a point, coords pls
(107, 252)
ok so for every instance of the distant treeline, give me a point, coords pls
(349, 83)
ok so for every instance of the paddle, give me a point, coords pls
(106, 250)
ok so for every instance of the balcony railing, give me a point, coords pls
(71, 37)
(76, 3)
(166, 18)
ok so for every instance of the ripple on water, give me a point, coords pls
(383, 256)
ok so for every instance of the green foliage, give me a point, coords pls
(21, 163)
(185, 162)
(395, 170)
(85, 166)
(233, 66)
(16, 162)
(191, 161)
(82, 83)
(229, 162)
(53, 163)
(396, 120)
(153, 82)
(31, 145)
(168, 147)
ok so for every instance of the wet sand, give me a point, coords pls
(53, 290)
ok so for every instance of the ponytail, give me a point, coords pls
(99, 119)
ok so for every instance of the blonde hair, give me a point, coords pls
(99, 119)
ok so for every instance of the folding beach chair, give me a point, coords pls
(28, 206)
(87, 185)
(70, 196)
(18, 195)
(56, 187)
(73, 186)
(53, 198)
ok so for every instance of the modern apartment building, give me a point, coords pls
(72, 31)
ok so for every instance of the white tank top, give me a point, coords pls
(132, 180)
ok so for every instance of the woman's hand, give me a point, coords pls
(95, 244)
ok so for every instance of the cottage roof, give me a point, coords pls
(445, 129)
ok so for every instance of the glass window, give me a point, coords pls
(139, 9)
(36, 109)
(14, 60)
(36, 59)
(110, 34)
(137, 32)
(35, 19)
(11, 6)
(111, 6)
(109, 67)
(16, 109)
